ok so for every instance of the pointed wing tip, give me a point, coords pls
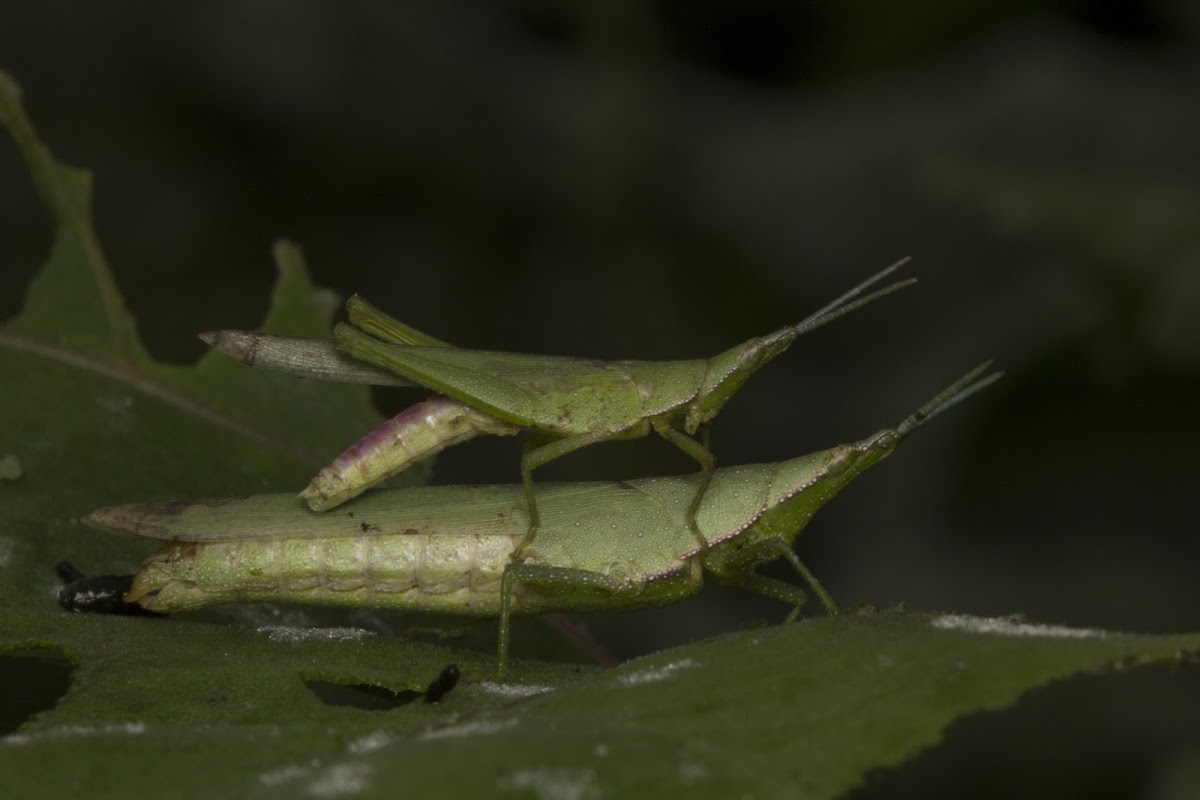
(238, 345)
(150, 520)
(111, 519)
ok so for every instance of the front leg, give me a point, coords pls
(708, 464)
(739, 569)
(787, 593)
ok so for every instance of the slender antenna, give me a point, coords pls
(949, 397)
(842, 305)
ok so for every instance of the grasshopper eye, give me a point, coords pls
(885, 441)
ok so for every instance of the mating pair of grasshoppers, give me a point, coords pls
(500, 550)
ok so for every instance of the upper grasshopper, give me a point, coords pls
(602, 546)
(566, 403)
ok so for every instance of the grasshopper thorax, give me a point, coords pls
(804, 485)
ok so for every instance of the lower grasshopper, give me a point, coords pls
(603, 546)
(566, 403)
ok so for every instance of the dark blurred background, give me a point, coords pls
(663, 180)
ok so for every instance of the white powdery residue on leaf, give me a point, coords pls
(514, 690)
(6, 551)
(689, 772)
(76, 732)
(479, 728)
(281, 633)
(339, 780)
(554, 784)
(117, 412)
(1005, 626)
(289, 774)
(656, 674)
(10, 467)
(276, 616)
(369, 743)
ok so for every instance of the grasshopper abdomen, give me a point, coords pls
(443, 572)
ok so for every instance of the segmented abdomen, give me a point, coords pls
(445, 572)
(412, 435)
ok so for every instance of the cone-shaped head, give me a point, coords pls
(805, 484)
(727, 371)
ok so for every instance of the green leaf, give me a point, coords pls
(94, 420)
(219, 703)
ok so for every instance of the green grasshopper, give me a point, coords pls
(602, 546)
(567, 403)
